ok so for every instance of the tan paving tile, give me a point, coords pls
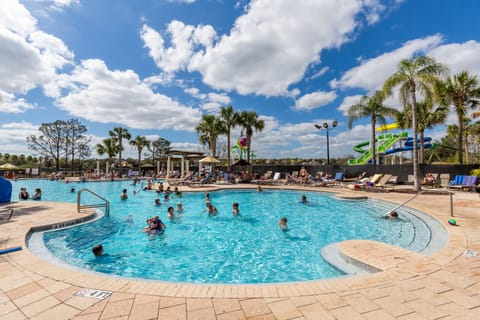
(284, 310)
(198, 303)
(393, 307)
(412, 316)
(178, 312)
(15, 315)
(255, 307)
(303, 300)
(315, 311)
(97, 307)
(331, 300)
(264, 317)
(40, 306)
(117, 309)
(360, 303)
(202, 314)
(226, 305)
(462, 299)
(141, 299)
(31, 297)
(80, 303)
(7, 307)
(144, 311)
(234, 315)
(23, 290)
(378, 315)
(171, 301)
(90, 316)
(347, 313)
(60, 311)
(426, 310)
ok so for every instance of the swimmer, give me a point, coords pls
(171, 213)
(282, 223)
(179, 207)
(157, 202)
(165, 198)
(259, 189)
(236, 210)
(303, 199)
(207, 196)
(37, 195)
(97, 250)
(124, 195)
(391, 215)
(211, 209)
(72, 190)
(134, 192)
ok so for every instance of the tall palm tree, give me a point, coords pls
(250, 121)
(463, 93)
(417, 74)
(230, 120)
(108, 147)
(208, 130)
(139, 142)
(374, 108)
(427, 118)
(118, 134)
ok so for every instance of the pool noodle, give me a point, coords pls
(8, 250)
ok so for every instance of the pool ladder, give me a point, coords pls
(416, 195)
(80, 206)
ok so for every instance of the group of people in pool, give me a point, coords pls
(24, 195)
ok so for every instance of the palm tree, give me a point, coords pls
(230, 120)
(250, 121)
(118, 134)
(208, 130)
(463, 93)
(139, 142)
(427, 118)
(108, 147)
(374, 108)
(415, 74)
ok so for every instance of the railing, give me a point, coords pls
(106, 203)
(416, 195)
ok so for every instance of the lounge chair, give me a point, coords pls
(393, 181)
(468, 183)
(457, 182)
(9, 212)
(444, 180)
(381, 185)
(366, 182)
(291, 179)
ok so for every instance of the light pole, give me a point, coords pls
(327, 128)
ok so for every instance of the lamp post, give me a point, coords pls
(327, 128)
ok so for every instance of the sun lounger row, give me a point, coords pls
(467, 183)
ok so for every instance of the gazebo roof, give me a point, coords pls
(186, 154)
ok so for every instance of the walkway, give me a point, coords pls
(412, 286)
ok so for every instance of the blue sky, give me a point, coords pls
(155, 66)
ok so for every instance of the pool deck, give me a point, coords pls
(410, 286)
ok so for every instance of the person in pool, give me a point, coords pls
(171, 212)
(124, 195)
(235, 210)
(211, 209)
(157, 202)
(97, 250)
(259, 189)
(392, 215)
(303, 199)
(179, 207)
(37, 195)
(282, 223)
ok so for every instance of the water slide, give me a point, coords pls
(5, 191)
(385, 141)
(408, 146)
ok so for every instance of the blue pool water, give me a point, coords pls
(200, 248)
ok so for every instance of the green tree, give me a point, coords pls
(417, 74)
(50, 142)
(139, 143)
(208, 130)
(230, 119)
(462, 93)
(159, 148)
(108, 147)
(427, 118)
(250, 122)
(118, 134)
(75, 140)
(373, 108)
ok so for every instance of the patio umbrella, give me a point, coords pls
(8, 166)
(209, 159)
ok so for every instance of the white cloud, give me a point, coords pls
(59, 4)
(13, 137)
(269, 49)
(183, 40)
(315, 100)
(371, 74)
(459, 56)
(10, 104)
(30, 57)
(102, 95)
(348, 102)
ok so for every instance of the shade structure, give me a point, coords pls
(241, 162)
(8, 166)
(209, 159)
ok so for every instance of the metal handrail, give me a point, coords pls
(416, 195)
(100, 205)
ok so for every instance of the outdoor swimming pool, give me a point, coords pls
(199, 248)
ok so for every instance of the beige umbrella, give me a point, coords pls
(8, 166)
(209, 159)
